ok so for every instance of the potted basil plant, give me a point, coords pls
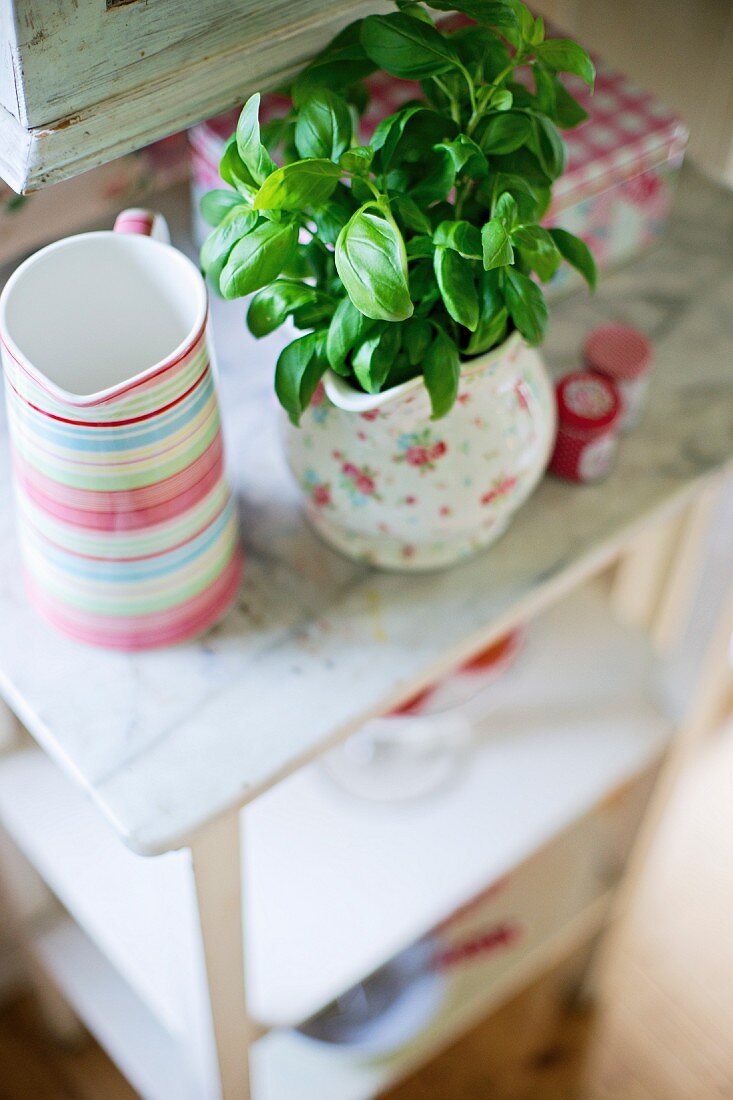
(410, 264)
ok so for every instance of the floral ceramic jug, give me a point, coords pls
(386, 484)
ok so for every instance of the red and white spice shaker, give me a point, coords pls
(624, 355)
(588, 410)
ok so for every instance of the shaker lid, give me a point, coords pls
(587, 401)
(619, 351)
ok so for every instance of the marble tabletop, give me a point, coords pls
(167, 740)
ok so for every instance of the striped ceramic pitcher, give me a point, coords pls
(127, 524)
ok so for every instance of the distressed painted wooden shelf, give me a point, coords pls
(82, 83)
(165, 742)
(286, 1065)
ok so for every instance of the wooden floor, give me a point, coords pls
(662, 1030)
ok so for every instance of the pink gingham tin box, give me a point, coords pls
(623, 163)
(616, 192)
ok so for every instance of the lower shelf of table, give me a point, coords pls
(335, 887)
(285, 1065)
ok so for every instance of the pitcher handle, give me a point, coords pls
(147, 223)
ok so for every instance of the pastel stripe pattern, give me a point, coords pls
(127, 525)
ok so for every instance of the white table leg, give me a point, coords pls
(683, 573)
(640, 573)
(655, 577)
(216, 859)
(653, 588)
(705, 710)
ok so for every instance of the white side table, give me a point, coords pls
(171, 747)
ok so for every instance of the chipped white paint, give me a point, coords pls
(85, 84)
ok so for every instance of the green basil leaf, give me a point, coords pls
(460, 236)
(401, 371)
(332, 216)
(545, 89)
(420, 247)
(341, 63)
(442, 374)
(416, 339)
(299, 369)
(357, 160)
(234, 171)
(497, 245)
(349, 37)
(258, 258)
(538, 31)
(417, 11)
(277, 131)
(405, 47)
(506, 210)
(568, 112)
(304, 183)
(525, 163)
(457, 287)
(330, 219)
(323, 129)
(374, 358)
(360, 191)
(408, 132)
(527, 306)
(336, 72)
(525, 24)
(274, 303)
(347, 330)
(505, 132)
(372, 264)
(521, 95)
(538, 250)
(441, 212)
(215, 205)
(502, 100)
(314, 315)
(493, 316)
(315, 370)
(409, 213)
(435, 177)
(466, 156)
(218, 245)
(549, 146)
(493, 13)
(531, 199)
(445, 90)
(565, 56)
(424, 287)
(482, 51)
(249, 145)
(577, 253)
(357, 96)
(490, 333)
(319, 262)
(298, 266)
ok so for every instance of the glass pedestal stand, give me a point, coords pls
(418, 749)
